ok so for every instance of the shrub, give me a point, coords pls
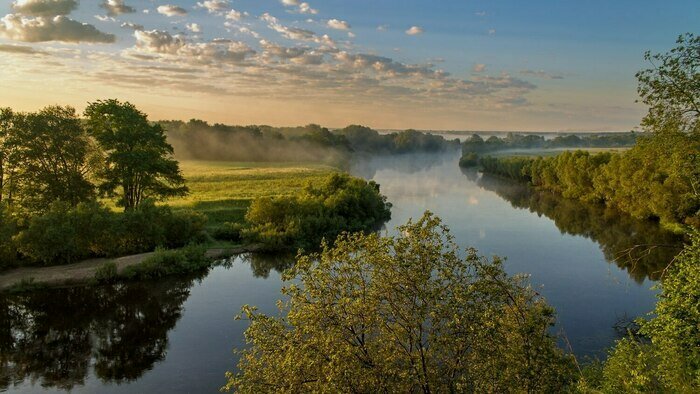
(107, 272)
(168, 262)
(64, 234)
(340, 203)
(9, 255)
(470, 159)
(229, 232)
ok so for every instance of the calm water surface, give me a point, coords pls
(177, 335)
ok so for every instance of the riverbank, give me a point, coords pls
(84, 271)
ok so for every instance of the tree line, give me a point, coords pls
(477, 145)
(199, 140)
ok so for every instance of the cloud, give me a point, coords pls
(338, 24)
(479, 67)
(117, 7)
(193, 27)
(302, 7)
(305, 8)
(59, 28)
(480, 13)
(162, 42)
(414, 30)
(170, 10)
(492, 32)
(294, 33)
(382, 27)
(21, 49)
(234, 15)
(105, 18)
(132, 26)
(44, 7)
(298, 55)
(541, 74)
(215, 6)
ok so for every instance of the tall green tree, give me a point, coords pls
(402, 314)
(45, 158)
(671, 87)
(139, 159)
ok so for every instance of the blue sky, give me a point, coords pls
(477, 65)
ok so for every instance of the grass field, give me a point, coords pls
(224, 190)
(549, 152)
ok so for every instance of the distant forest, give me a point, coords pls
(200, 140)
(476, 144)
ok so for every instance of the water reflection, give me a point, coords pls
(55, 337)
(641, 248)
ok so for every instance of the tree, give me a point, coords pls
(665, 355)
(671, 88)
(138, 157)
(46, 157)
(402, 314)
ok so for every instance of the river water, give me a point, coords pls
(177, 335)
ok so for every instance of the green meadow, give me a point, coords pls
(224, 190)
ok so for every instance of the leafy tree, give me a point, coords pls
(671, 88)
(47, 156)
(665, 356)
(402, 314)
(138, 157)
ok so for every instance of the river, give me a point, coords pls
(177, 335)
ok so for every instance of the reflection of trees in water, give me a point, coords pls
(623, 239)
(263, 263)
(367, 167)
(56, 336)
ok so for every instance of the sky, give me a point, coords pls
(389, 64)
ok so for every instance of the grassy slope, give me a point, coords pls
(224, 190)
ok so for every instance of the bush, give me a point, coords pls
(64, 234)
(469, 160)
(229, 232)
(340, 203)
(168, 262)
(9, 255)
(107, 272)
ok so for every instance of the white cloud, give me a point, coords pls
(170, 10)
(338, 24)
(351, 34)
(132, 26)
(305, 8)
(480, 13)
(105, 18)
(234, 15)
(117, 7)
(414, 30)
(479, 67)
(59, 28)
(215, 6)
(162, 42)
(294, 33)
(193, 27)
(290, 3)
(44, 7)
(382, 27)
(492, 32)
